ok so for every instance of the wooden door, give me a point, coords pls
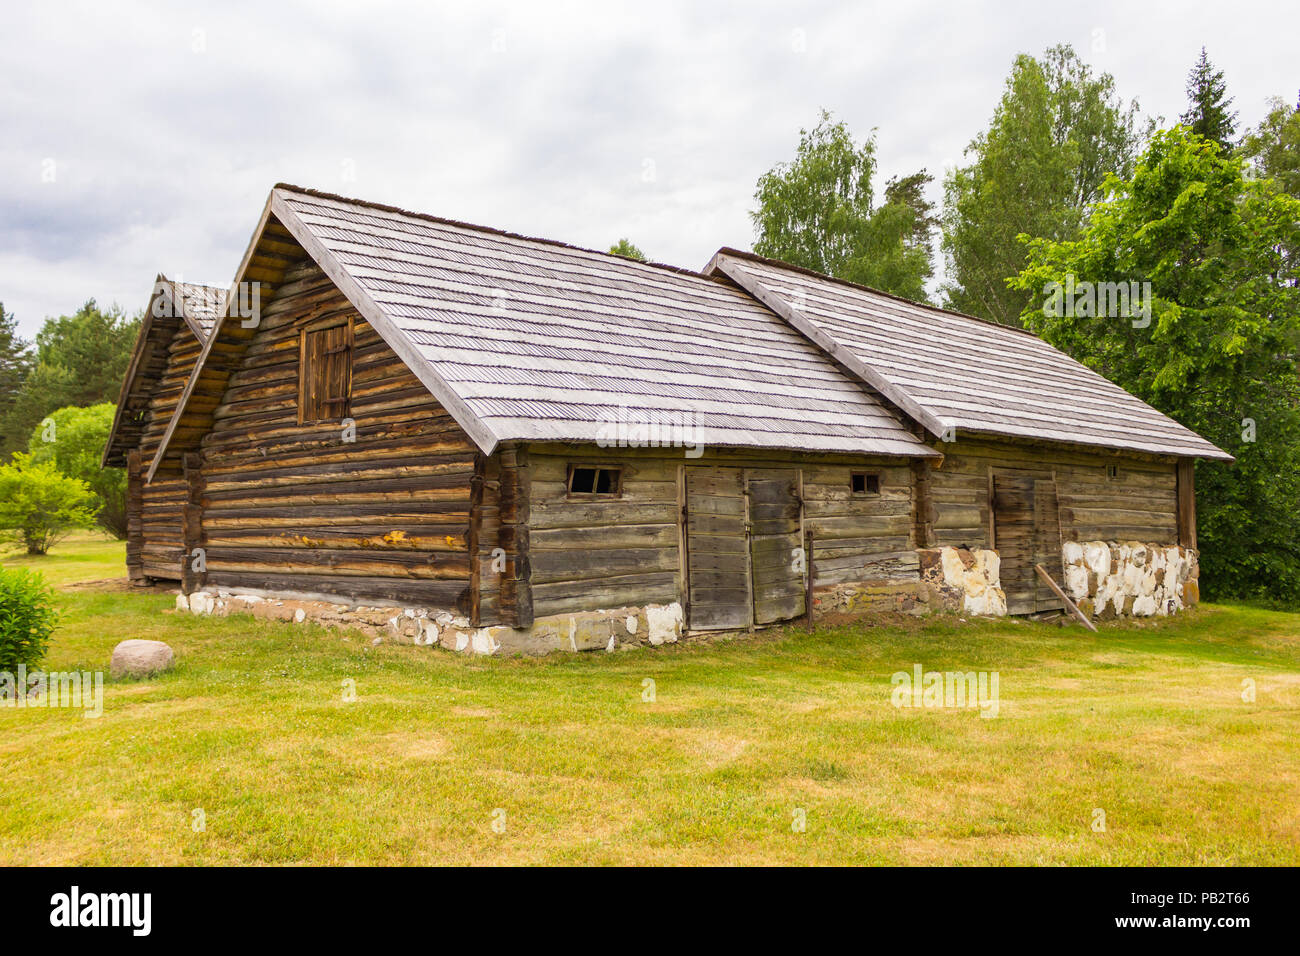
(778, 566)
(1026, 531)
(717, 550)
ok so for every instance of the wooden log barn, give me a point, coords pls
(505, 444)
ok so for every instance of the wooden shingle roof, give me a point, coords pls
(952, 371)
(175, 308)
(529, 339)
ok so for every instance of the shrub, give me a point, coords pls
(38, 505)
(27, 616)
(73, 439)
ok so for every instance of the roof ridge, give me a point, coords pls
(782, 264)
(489, 230)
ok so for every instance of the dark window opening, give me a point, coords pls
(1112, 472)
(587, 480)
(864, 483)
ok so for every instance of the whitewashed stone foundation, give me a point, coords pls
(1131, 579)
(606, 630)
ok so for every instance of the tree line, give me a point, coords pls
(1069, 183)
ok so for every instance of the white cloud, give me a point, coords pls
(168, 128)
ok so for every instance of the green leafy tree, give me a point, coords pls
(39, 506)
(1056, 134)
(80, 360)
(1274, 147)
(15, 364)
(818, 211)
(74, 439)
(626, 247)
(1218, 353)
(1209, 114)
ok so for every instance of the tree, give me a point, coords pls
(1219, 351)
(80, 360)
(818, 211)
(74, 439)
(39, 506)
(15, 363)
(1055, 135)
(1274, 147)
(1208, 114)
(625, 247)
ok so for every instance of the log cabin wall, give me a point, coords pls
(161, 501)
(1138, 504)
(587, 553)
(295, 508)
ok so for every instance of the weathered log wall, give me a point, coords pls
(160, 502)
(1139, 504)
(296, 507)
(586, 553)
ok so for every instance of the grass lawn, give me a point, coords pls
(1146, 723)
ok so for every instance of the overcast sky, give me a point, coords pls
(143, 138)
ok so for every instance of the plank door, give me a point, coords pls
(1026, 531)
(717, 550)
(775, 544)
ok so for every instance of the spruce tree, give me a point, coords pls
(1208, 113)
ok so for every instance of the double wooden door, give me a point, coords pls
(745, 564)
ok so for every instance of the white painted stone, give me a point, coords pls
(1076, 581)
(1096, 554)
(299, 615)
(630, 623)
(1072, 553)
(462, 640)
(482, 641)
(202, 603)
(182, 602)
(663, 623)
(612, 644)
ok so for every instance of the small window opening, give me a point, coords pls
(1112, 472)
(589, 480)
(864, 483)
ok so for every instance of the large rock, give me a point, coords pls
(136, 658)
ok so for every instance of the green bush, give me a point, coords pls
(38, 505)
(27, 616)
(74, 438)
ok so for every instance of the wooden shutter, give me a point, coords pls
(325, 383)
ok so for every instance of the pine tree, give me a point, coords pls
(15, 363)
(1208, 113)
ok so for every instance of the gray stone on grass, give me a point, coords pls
(137, 658)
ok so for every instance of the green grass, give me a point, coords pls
(82, 556)
(1145, 722)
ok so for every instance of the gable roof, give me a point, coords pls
(949, 370)
(175, 308)
(525, 339)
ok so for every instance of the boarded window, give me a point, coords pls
(325, 377)
(864, 483)
(593, 480)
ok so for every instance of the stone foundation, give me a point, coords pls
(961, 580)
(607, 630)
(1105, 580)
(1115, 580)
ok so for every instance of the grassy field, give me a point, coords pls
(442, 759)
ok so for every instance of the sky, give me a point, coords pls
(139, 138)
